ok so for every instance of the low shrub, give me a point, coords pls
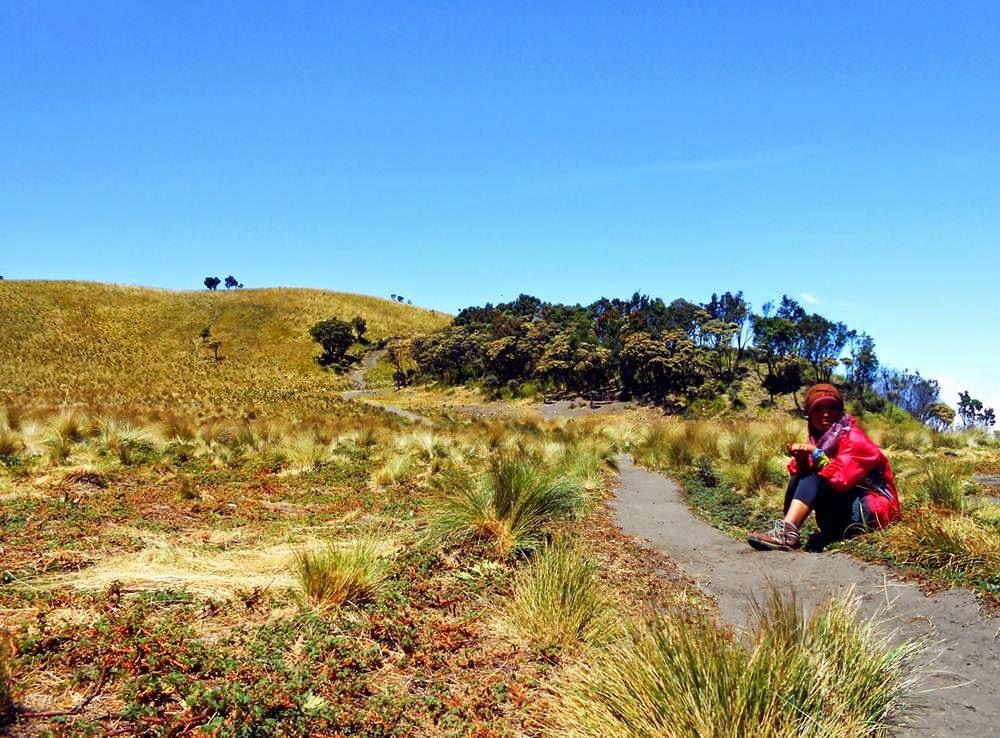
(557, 602)
(683, 676)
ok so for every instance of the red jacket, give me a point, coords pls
(856, 457)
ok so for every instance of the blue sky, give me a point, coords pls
(458, 153)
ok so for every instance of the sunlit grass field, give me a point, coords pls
(140, 350)
(226, 548)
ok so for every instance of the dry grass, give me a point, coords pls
(681, 675)
(163, 563)
(953, 544)
(6, 682)
(101, 345)
(351, 572)
(558, 603)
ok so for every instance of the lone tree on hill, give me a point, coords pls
(360, 326)
(231, 282)
(212, 283)
(335, 336)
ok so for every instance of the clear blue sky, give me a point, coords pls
(458, 153)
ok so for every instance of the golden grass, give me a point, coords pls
(106, 345)
(6, 682)
(558, 603)
(349, 572)
(681, 675)
(204, 570)
(949, 543)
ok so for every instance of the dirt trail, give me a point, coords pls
(361, 390)
(958, 693)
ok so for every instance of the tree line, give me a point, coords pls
(672, 354)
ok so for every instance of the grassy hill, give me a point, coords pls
(66, 343)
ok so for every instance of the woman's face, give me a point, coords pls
(824, 415)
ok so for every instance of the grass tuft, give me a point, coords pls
(942, 484)
(513, 506)
(336, 575)
(683, 676)
(6, 681)
(558, 603)
(957, 545)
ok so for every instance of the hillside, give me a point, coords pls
(74, 342)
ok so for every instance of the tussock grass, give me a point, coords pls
(741, 444)
(11, 447)
(942, 483)
(513, 506)
(557, 602)
(683, 676)
(339, 574)
(396, 469)
(6, 680)
(953, 544)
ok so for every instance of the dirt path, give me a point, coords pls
(361, 390)
(958, 694)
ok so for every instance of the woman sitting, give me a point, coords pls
(840, 473)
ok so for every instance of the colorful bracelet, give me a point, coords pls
(819, 458)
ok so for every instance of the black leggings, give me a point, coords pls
(838, 514)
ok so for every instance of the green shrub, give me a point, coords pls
(557, 601)
(683, 676)
(512, 508)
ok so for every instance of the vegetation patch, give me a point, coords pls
(681, 675)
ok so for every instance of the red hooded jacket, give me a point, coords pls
(856, 457)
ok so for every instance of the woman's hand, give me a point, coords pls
(800, 452)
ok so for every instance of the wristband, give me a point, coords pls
(819, 458)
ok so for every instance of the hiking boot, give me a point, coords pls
(782, 537)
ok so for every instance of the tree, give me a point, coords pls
(231, 282)
(939, 416)
(205, 333)
(214, 346)
(399, 355)
(335, 336)
(863, 366)
(212, 283)
(973, 414)
(733, 311)
(908, 391)
(360, 326)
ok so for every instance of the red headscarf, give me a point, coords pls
(822, 393)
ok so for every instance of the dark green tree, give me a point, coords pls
(972, 412)
(360, 326)
(335, 336)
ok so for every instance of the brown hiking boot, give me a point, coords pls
(782, 537)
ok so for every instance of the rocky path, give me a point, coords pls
(958, 690)
(361, 390)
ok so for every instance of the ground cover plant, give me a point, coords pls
(267, 577)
